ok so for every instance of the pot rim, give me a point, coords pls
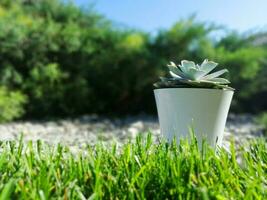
(196, 89)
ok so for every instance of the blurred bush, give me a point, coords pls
(11, 104)
(72, 61)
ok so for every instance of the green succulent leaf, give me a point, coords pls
(208, 66)
(215, 74)
(188, 64)
(175, 71)
(219, 80)
(195, 73)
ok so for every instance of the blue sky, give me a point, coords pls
(151, 15)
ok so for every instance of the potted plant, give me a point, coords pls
(193, 98)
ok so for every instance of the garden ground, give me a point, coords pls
(91, 129)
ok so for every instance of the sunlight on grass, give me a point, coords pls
(136, 171)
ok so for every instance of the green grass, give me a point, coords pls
(141, 170)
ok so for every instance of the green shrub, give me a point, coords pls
(72, 61)
(247, 66)
(11, 104)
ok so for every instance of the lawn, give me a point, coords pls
(140, 170)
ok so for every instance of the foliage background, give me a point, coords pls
(59, 60)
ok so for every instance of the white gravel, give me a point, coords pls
(91, 129)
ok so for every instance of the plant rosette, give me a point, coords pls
(194, 99)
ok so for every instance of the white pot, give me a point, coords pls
(203, 110)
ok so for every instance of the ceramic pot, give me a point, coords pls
(203, 110)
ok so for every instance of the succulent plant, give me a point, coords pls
(189, 74)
